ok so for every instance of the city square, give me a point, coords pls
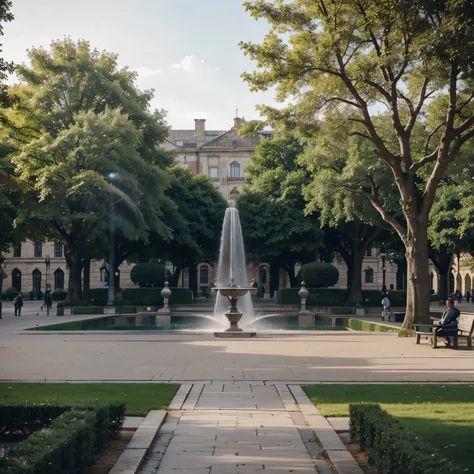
(237, 238)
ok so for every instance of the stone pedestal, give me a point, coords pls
(163, 318)
(360, 311)
(109, 309)
(305, 319)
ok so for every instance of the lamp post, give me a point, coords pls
(384, 286)
(47, 262)
(111, 291)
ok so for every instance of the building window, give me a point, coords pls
(213, 172)
(369, 275)
(17, 251)
(58, 250)
(369, 252)
(235, 170)
(204, 275)
(38, 249)
(59, 279)
(16, 279)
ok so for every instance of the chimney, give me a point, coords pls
(200, 127)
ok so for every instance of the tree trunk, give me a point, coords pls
(86, 284)
(193, 285)
(442, 261)
(290, 269)
(274, 278)
(418, 287)
(355, 291)
(174, 280)
(74, 284)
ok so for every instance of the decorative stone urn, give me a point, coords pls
(303, 293)
(305, 317)
(163, 316)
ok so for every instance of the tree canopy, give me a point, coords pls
(85, 144)
(342, 61)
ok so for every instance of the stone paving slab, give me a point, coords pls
(340, 423)
(132, 421)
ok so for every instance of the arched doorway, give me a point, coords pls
(36, 283)
(16, 279)
(431, 281)
(59, 279)
(459, 282)
(263, 275)
(467, 283)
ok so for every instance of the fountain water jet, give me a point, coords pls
(232, 280)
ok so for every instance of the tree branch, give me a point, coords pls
(383, 213)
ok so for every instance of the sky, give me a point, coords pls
(187, 50)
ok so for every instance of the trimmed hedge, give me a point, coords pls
(391, 447)
(87, 310)
(59, 295)
(125, 309)
(316, 297)
(70, 442)
(148, 275)
(11, 294)
(152, 296)
(337, 297)
(318, 275)
(360, 325)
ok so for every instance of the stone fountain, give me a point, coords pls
(233, 268)
(233, 293)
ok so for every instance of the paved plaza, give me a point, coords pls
(240, 408)
(299, 357)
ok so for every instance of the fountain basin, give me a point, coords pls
(235, 334)
(232, 291)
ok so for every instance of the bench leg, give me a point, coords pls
(418, 337)
(469, 342)
(455, 342)
(435, 341)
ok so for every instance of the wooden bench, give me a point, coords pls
(464, 330)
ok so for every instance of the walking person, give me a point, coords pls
(385, 308)
(48, 301)
(468, 295)
(18, 303)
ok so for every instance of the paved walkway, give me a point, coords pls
(242, 427)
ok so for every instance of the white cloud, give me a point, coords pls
(145, 72)
(191, 89)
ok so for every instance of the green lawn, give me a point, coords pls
(139, 397)
(442, 414)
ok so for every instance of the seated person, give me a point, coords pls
(449, 321)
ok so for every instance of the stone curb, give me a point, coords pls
(133, 455)
(335, 449)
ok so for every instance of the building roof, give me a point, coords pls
(230, 139)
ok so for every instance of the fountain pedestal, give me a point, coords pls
(233, 293)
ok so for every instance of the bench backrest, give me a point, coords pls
(466, 323)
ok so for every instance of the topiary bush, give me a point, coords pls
(152, 296)
(316, 297)
(59, 295)
(391, 447)
(11, 294)
(318, 275)
(148, 275)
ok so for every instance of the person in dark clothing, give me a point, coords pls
(449, 321)
(468, 296)
(18, 304)
(48, 301)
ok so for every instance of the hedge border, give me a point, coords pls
(68, 444)
(391, 447)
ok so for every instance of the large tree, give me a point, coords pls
(412, 57)
(86, 145)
